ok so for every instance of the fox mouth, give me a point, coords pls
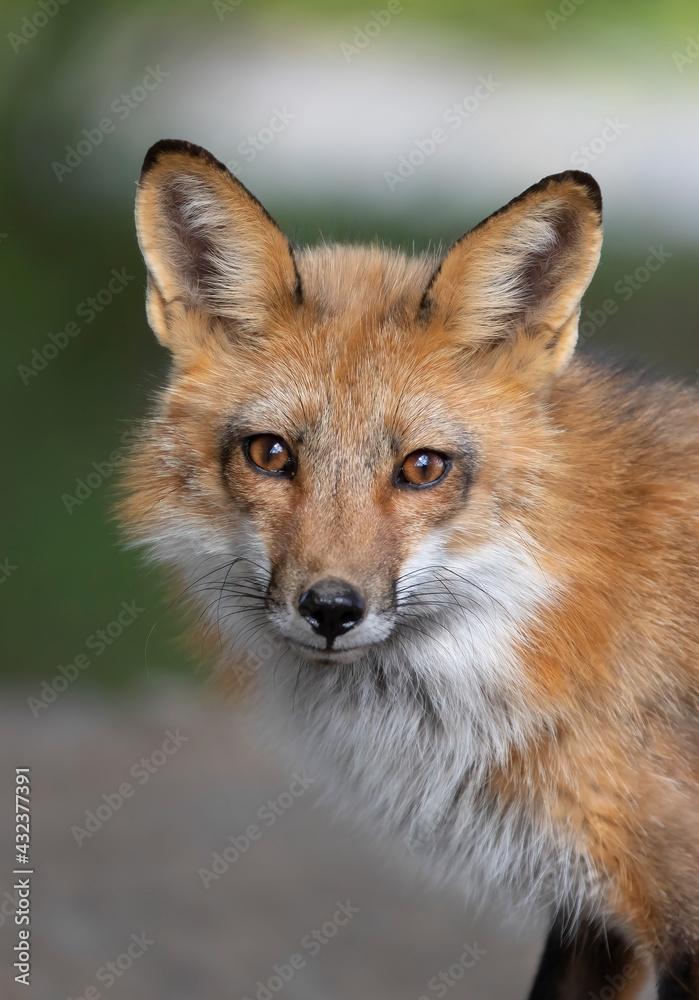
(325, 655)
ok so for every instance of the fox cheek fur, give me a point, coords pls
(471, 556)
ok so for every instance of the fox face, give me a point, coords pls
(341, 479)
(362, 433)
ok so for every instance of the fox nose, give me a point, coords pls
(331, 608)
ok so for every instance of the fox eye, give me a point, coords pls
(271, 454)
(423, 468)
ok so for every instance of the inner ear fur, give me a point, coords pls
(523, 271)
(208, 244)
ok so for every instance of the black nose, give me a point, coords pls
(331, 608)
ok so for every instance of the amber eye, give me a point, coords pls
(271, 454)
(423, 468)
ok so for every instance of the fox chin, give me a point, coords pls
(458, 556)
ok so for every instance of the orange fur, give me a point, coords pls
(359, 356)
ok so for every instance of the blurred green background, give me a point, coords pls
(361, 90)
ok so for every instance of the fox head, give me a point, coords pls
(355, 446)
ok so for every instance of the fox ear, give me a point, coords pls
(208, 244)
(519, 276)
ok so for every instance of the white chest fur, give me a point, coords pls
(410, 734)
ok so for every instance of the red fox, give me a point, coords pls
(472, 555)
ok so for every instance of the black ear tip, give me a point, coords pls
(584, 180)
(166, 146)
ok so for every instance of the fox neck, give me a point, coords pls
(412, 735)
